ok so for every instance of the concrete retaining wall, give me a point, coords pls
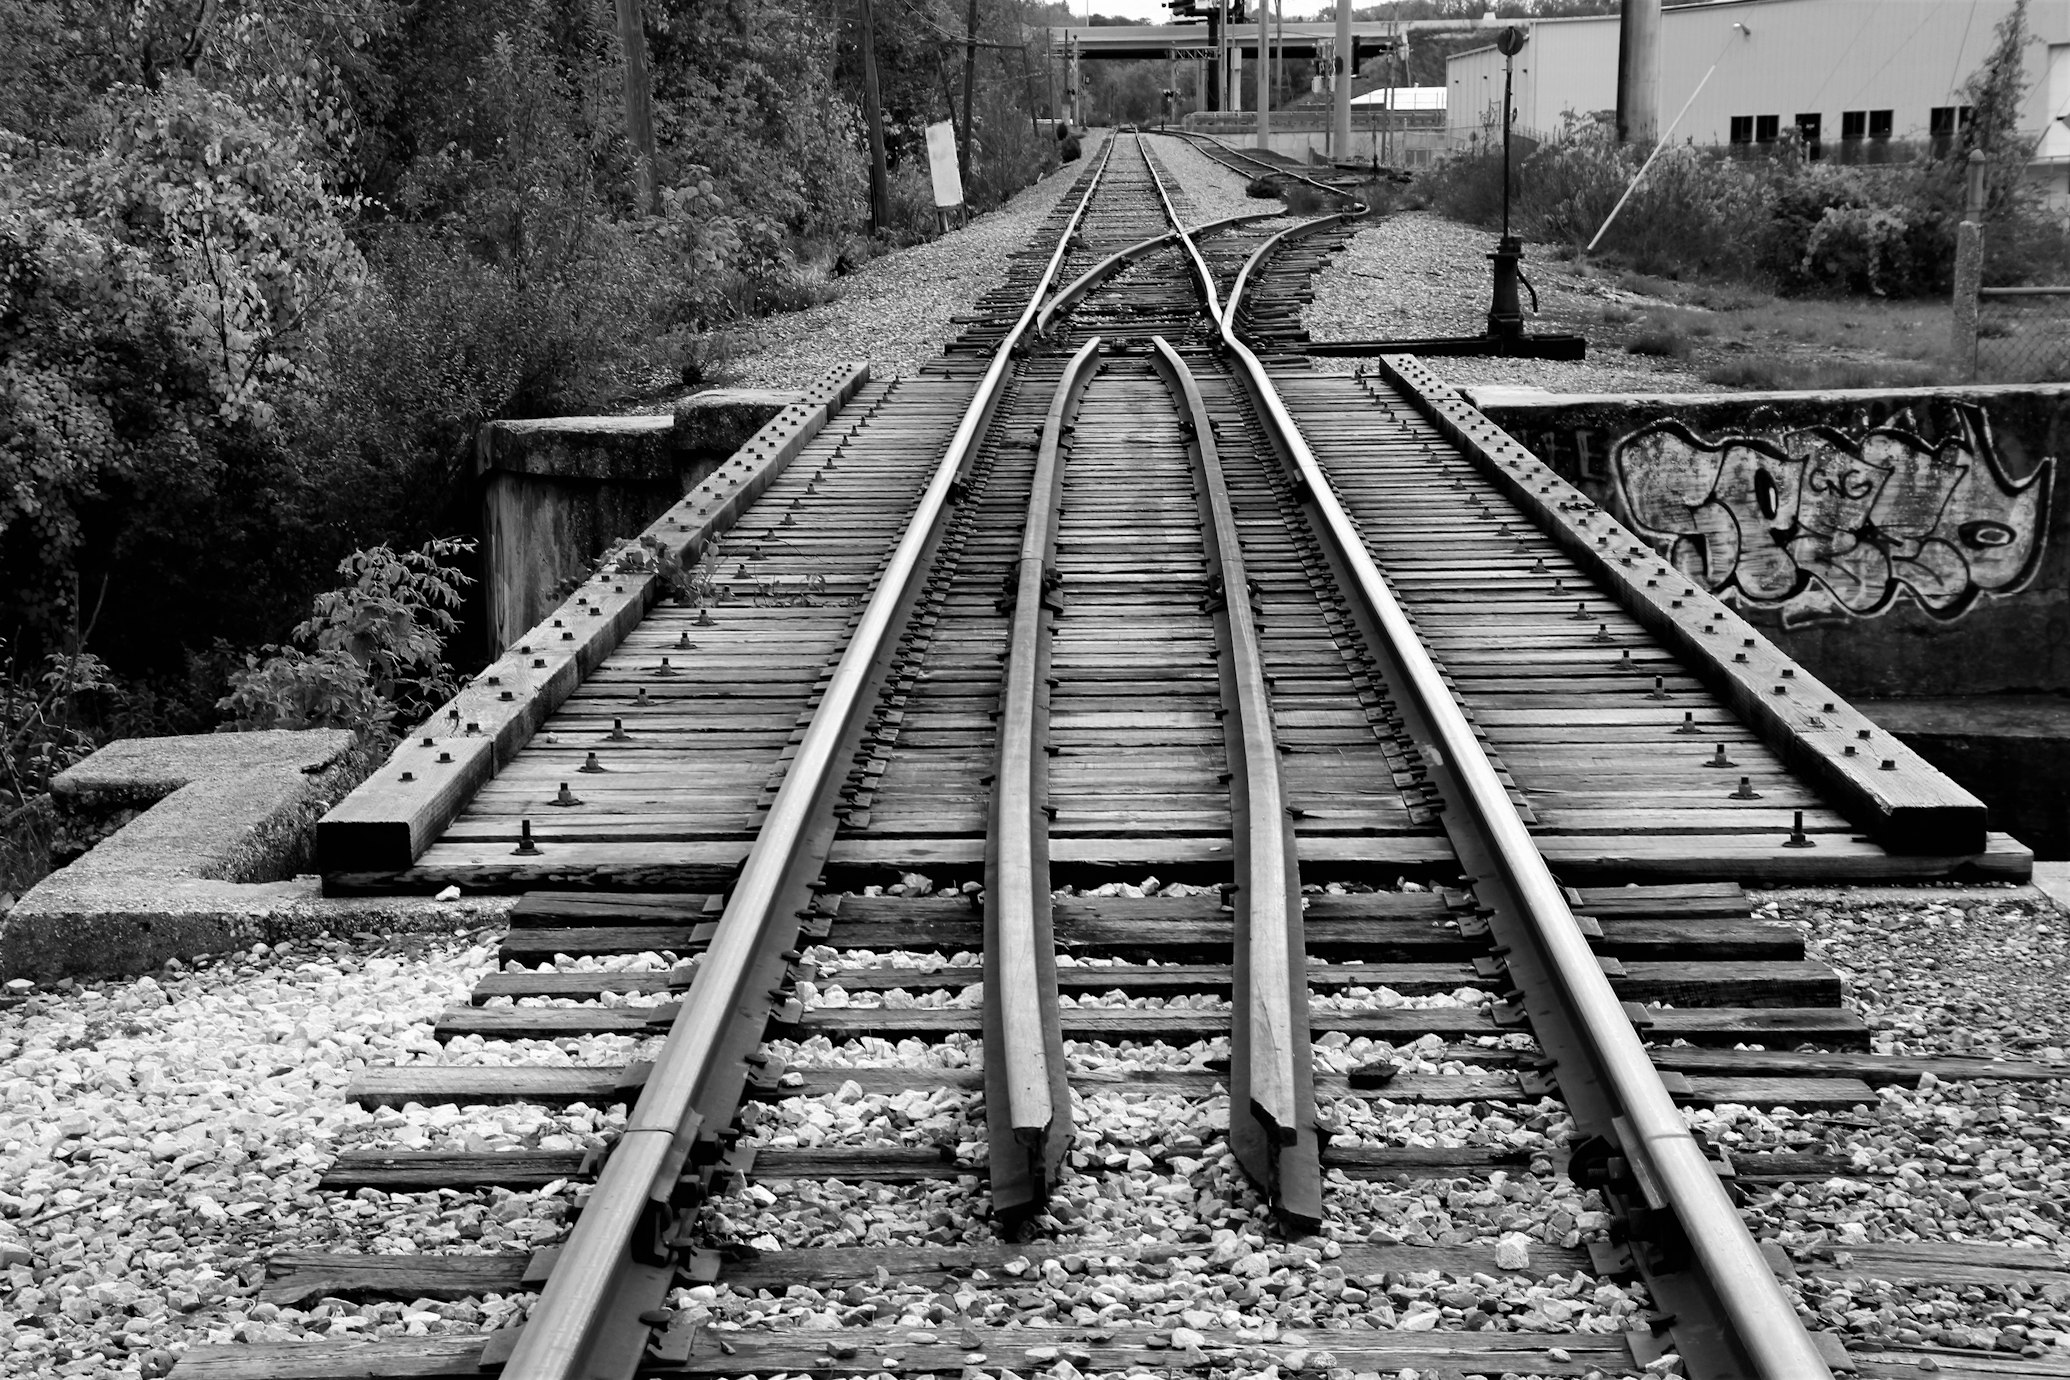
(1910, 547)
(1900, 543)
(558, 492)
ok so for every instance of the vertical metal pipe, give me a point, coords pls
(1638, 72)
(1264, 77)
(1340, 139)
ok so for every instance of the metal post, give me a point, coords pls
(1264, 77)
(1341, 65)
(1638, 72)
(1506, 315)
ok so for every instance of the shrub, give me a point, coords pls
(375, 648)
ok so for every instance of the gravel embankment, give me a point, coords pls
(896, 311)
(1418, 274)
(1960, 974)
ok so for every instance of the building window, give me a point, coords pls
(1880, 123)
(1807, 128)
(1943, 123)
(1767, 128)
(1742, 129)
(1854, 124)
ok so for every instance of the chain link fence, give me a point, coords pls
(2022, 335)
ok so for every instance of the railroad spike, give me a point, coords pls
(566, 799)
(592, 766)
(1721, 760)
(526, 848)
(1746, 791)
(1798, 838)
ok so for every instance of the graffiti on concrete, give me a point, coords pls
(1817, 523)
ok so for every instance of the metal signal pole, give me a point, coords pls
(1340, 142)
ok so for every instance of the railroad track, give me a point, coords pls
(1087, 835)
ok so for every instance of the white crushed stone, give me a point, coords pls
(1977, 1161)
(160, 1136)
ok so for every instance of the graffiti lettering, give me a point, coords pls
(1818, 523)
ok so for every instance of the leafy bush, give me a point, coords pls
(375, 653)
(47, 718)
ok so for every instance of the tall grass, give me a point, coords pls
(1784, 222)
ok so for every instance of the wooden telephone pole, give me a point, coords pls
(639, 102)
(873, 116)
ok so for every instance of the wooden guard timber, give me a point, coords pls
(396, 814)
(1902, 801)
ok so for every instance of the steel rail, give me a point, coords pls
(1272, 246)
(1270, 168)
(1027, 1088)
(1068, 296)
(1671, 1169)
(645, 1164)
(1272, 1055)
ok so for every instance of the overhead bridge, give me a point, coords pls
(1191, 40)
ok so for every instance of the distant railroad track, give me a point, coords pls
(1105, 597)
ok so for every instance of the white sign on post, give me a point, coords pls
(941, 162)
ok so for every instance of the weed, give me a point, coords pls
(1616, 315)
(1660, 339)
(1761, 372)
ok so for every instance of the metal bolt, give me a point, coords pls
(1688, 728)
(495, 680)
(641, 698)
(1862, 733)
(1782, 689)
(426, 742)
(537, 662)
(525, 848)
(1721, 760)
(1739, 657)
(1746, 790)
(445, 757)
(683, 640)
(664, 669)
(591, 766)
(1602, 632)
(1660, 690)
(409, 776)
(567, 637)
(556, 622)
(1848, 751)
(618, 733)
(1798, 838)
(566, 797)
(1890, 764)
(506, 695)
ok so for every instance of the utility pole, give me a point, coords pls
(1341, 64)
(639, 103)
(1638, 72)
(970, 28)
(873, 116)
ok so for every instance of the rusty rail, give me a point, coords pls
(1027, 1095)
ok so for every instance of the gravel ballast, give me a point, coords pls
(895, 312)
(1936, 973)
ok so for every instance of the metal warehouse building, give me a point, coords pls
(1854, 76)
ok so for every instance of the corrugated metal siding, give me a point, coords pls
(1794, 57)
